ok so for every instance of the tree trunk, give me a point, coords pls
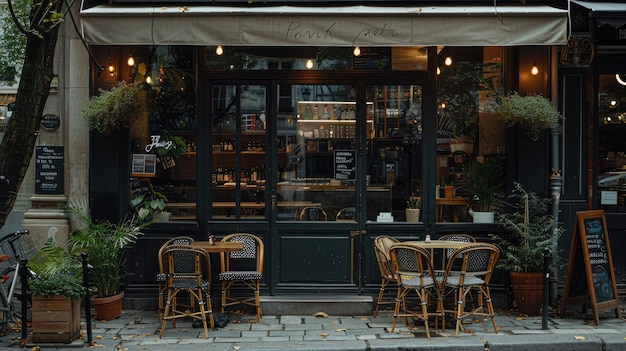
(22, 131)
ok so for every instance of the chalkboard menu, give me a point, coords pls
(345, 164)
(590, 275)
(49, 176)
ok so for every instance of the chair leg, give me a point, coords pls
(396, 310)
(381, 295)
(424, 302)
(459, 309)
(257, 300)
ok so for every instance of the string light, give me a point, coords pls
(357, 51)
(219, 50)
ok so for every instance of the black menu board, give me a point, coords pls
(590, 274)
(49, 177)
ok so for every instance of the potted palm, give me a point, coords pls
(413, 208)
(104, 242)
(530, 231)
(483, 178)
(56, 287)
(533, 112)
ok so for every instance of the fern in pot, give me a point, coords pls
(530, 230)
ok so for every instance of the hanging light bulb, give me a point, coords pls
(219, 50)
(534, 70)
(448, 60)
(309, 63)
(438, 71)
(148, 80)
(357, 51)
(111, 68)
(131, 60)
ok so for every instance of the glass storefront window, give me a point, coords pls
(164, 143)
(394, 153)
(316, 58)
(238, 151)
(612, 144)
(317, 159)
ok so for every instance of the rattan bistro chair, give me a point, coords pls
(313, 213)
(413, 270)
(382, 244)
(187, 270)
(161, 276)
(478, 260)
(464, 238)
(242, 268)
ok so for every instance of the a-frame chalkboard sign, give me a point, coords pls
(590, 274)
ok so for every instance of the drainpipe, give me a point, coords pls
(556, 184)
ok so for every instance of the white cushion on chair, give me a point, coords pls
(240, 275)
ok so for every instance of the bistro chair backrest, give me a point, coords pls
(410, 262)
(478, 260)
(313, 213)
(384, 243)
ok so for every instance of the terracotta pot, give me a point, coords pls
(528, 292)
(108, 308)
(448, 191)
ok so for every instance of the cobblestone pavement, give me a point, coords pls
(139, 330)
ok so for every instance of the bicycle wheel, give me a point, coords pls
(16, 299)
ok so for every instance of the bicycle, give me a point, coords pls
(18, 246)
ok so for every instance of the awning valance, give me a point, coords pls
(325, 26)
(611, 13)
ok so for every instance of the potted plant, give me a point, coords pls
(56, 287)
(533, 112)
(483, 179)
(448, 187)
(530, 230)
(413, 208)
(104, 242)
(114, 109)
(153, 209)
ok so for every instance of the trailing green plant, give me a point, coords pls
(530, 230)
(484, 180)
(532, 111)
(104, 242)
(413, 202)
(57, 272)
(114, 109)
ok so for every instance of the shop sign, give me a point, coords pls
(49, 175)
(50, 122)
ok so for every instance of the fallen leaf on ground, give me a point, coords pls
(321, 314)
(579, 337)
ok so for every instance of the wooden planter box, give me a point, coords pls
(55, 319)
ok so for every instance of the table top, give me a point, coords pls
(218, 246)
(246, 204)
(437, 244)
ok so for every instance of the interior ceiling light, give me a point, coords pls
(131, 60)
(357, 51)
(309, 63)
(219, 50)
(619, 79)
